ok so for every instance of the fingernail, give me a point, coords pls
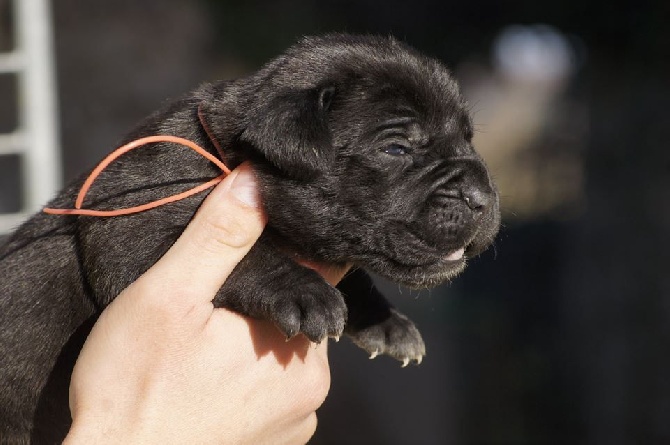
(244, 187)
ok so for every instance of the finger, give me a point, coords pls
(223, 230)
(332, 273)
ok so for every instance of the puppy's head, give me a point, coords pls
(363, 148)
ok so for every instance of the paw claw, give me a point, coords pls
(395, 336)
(336, 338)
(419, 359)
(313, 313)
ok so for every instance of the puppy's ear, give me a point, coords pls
(291, 131)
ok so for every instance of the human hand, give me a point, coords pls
(163, 366)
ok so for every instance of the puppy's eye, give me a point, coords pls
(397, 150)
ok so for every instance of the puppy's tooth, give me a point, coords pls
(419, 359)
(405, 362)
(336, 338)
(374, 354)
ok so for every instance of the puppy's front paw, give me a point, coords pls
(316, 310)
(395, 336)
(267, 285)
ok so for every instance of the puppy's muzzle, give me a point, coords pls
(461, 207)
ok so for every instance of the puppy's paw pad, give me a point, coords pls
(317, 313)
(395, 336)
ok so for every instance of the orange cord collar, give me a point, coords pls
(78, 210)
(332, 273)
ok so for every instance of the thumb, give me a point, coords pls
(223, 230)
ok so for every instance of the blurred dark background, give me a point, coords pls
(561, 334)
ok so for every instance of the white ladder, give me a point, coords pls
(36, 137)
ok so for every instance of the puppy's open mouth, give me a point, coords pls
(456, 255)
(418, 252)
(464, 253)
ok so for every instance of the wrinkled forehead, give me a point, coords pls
(434, 103)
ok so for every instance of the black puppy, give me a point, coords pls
(362, 148)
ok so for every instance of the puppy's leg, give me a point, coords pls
(375, 325)
(269, 285)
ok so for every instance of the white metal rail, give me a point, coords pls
(36, 138)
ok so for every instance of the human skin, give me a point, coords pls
(163, 366)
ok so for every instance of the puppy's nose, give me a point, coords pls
(476, 198)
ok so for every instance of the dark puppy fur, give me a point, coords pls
(362, 148)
